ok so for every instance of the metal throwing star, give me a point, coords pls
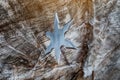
(57, 38)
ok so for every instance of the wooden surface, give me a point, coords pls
(95, 31)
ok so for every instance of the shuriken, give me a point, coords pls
(57, 38)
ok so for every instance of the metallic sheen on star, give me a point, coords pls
(57, 38)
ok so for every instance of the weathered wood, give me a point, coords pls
(95, 31)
